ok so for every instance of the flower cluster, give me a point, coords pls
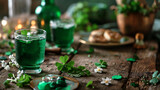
(13, 78)
(4, 64)
(12, 63)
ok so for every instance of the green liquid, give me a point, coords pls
(63, 37)
(30, 55)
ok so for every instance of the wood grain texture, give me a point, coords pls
(117, 64)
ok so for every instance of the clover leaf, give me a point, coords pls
(64, 59)
(24, 80)
(70, 69)
(6, 83)
(10, 75)
(102, 64)
(89, 84)
(91, 50)
(155, 78)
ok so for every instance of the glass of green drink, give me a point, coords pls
(63, 33)
(30, 49)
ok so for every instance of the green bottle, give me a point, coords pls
(45, 12)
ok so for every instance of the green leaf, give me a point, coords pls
(101, 61)
(98, 64)
(89, 84)
(131, 59)
(8, 53)
(24, 32)
(71, 63)
(154, 81)
(24, 80)
(64, 59)
(158, 76)
(10, 75)
(103, 66)
(91, 50)
(60, 68)
(136, 57)
(116, 77)
(134, 84)
(3, 58)
(6, 83)
(154, 75)
(58, 64)
(81, 67)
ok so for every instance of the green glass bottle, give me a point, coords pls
(45, 12)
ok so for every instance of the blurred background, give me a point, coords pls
(63, 5)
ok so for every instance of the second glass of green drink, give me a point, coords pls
(30, 49)
(63, 34)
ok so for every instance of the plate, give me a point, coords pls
(84, 40)
(70, 81)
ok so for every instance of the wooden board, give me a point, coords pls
(117, 64)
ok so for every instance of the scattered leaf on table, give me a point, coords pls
(3, 58)
(8, 53)
(134, 84)
(117, 77)
(154, 81)
(131, 59)
(155, 74)
(89, 84)
(136, 57)
(91, 50)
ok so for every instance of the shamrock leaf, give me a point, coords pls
(136, 57)
(59, 66)
(10, 75)
(98, 64)
(81, 67)
(24, 80)
(117, 77)
(6, 83)
(64, 59)
(134, 84)
(158, 76)
(102, 64)
(24, 32)
(155, 74)
(70, 69)
(154, 81)
(91, 50)
(131, 59)
(89, 84)
(71, 63)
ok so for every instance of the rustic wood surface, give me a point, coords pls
(117, 65)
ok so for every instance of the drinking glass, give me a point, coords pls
(30, 49)
(62, 33)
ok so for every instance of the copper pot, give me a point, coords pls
(133, 23)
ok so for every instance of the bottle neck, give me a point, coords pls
(47, 2)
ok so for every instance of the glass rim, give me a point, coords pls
(28, 29)
(38, 35)
(67, 21)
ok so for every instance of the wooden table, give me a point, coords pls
(117, 64)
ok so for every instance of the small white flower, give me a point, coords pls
(106, 81)
(11, 57)
(19, 73)
(7, 68)
(98, 70)
(3, 63)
